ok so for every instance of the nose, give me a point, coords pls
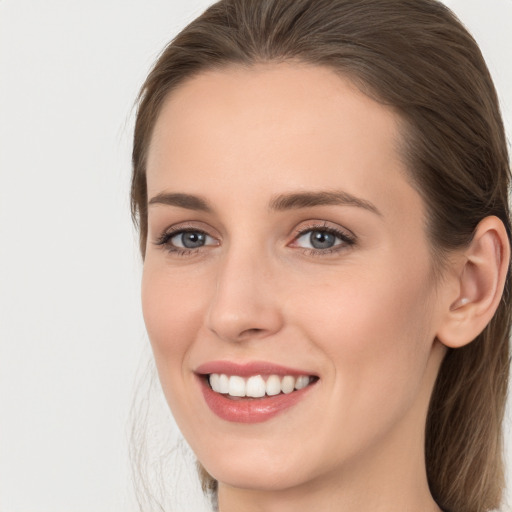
(245, 304)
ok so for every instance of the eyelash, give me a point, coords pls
(347, 240)
(164, 241)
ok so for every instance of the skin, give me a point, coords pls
(363, 316)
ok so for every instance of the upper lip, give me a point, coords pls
(249, 368)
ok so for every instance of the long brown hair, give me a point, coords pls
(415, 56)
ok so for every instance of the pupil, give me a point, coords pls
(192, 240)
(322, 240)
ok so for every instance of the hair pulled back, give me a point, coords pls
(415, 56)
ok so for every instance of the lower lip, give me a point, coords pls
(250, 410)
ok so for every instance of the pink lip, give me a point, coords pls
(248, 369)
(249, 410)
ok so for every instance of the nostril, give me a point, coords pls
(251, 332)
(254, 332)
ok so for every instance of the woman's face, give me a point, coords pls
(286, 248)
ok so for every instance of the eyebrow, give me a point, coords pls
(188, 201)
(282, 202)
(321, 198)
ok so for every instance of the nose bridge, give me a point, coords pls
(243, 304)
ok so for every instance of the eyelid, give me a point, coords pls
(163, 239)
(188, 226)
(323, 225)
(346, 237)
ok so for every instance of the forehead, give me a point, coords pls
(271, 127)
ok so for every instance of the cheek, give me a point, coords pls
(371, 310)
(376, 329)
(172, 312)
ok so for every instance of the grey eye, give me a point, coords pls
(322, 240)
(191, 239)
(318, 239)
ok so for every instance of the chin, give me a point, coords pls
(263, 473)
(257, 478)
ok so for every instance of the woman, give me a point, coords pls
(321, 189)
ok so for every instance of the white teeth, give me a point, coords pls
(256, 386)
(287, 384)
(214, 382)
(273, 385)
(236, 386)
(301, 382)
(223, 384)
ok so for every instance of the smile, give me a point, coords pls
(256, 386)
(253, 392)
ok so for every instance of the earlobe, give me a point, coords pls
(480, 283)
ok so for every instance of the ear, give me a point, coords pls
(479, 276)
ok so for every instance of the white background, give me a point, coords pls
(71, 331)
